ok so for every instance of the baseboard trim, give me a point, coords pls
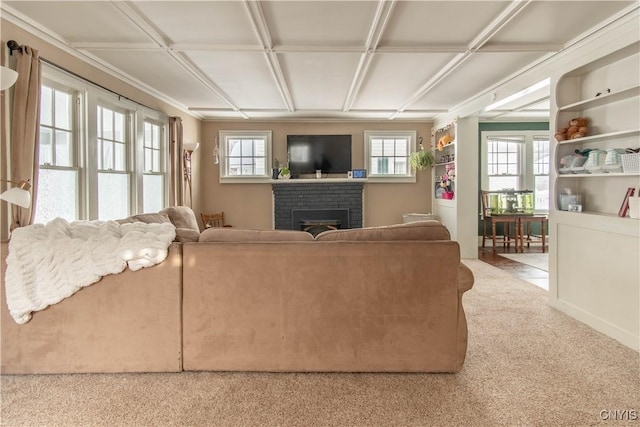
(600, 325)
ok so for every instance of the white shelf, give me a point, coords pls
(596, 175)
(603, 99)
(444, 164)
(600, 137)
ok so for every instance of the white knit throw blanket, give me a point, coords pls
(47, 263)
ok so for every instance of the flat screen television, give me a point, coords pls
(329, 153)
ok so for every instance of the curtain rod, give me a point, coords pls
(14, 45)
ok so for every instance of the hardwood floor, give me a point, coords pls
(525, 272)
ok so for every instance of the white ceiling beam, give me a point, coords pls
(139, 21)
(260, 27)
(514, 8)
(378, 25)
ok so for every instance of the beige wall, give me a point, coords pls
(8, 31)
(250, 205)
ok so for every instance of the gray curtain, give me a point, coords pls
(25, 135)
(176, 193)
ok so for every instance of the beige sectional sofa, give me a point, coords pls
(384, 299)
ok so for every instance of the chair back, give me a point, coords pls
(213, 220)
(485, 203)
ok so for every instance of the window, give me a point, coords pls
(58, 156)
(246, 155)
(101, 157)
(153, 176)
(503, 162)
(387, 154)
(541, 172)
(113, 164)
(517, 160)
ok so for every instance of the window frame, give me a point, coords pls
(224, 137)
(410, 135)
(526, 177)
(87, 98)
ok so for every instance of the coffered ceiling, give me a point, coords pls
(320, 59)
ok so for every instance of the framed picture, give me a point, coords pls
(359, 173)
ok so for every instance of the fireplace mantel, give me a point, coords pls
(317, 180)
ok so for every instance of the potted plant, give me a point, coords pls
(421, 159)
(285, 173)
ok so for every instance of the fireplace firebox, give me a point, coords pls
(316, 221)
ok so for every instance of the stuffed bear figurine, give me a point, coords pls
(577, 129)
(445, 140)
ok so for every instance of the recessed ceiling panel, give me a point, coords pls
(243, 76)
(477, 74)
(552, 22)
(78, 21)
(201, 22)
(393, 78)
(159, 71)
(437, 23)
(319, 81)
(319, 23)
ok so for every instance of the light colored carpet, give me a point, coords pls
(527, 364)
(537, 260)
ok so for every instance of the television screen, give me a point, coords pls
(329, 153)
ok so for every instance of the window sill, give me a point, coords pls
(245, 180)
(392, 179)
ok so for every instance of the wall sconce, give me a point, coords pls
(188, 148)
(216, 153)
(18, 195)
(7, 78)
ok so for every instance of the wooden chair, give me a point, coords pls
(526, 234)
(509, 223)
(213, 220)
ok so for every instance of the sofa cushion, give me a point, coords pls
(218, 234)
(417, 230)
(186, 235)
(182, 217)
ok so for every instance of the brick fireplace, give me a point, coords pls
(317, 204)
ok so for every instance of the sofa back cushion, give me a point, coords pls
(418, 230)
(182, 217)
(217, 234)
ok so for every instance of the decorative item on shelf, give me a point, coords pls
(624, 207)
(631, 160)
(421, 159)
(634, 206)
(577, 129)
(446, 183)
(284, 173)
(18, 195)
(7, 78)
(570, 201)
(216, 153)
(595, 161)
(275, 169)
(188, 148)
(574, 163)
(613, 160)
(444, 141)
